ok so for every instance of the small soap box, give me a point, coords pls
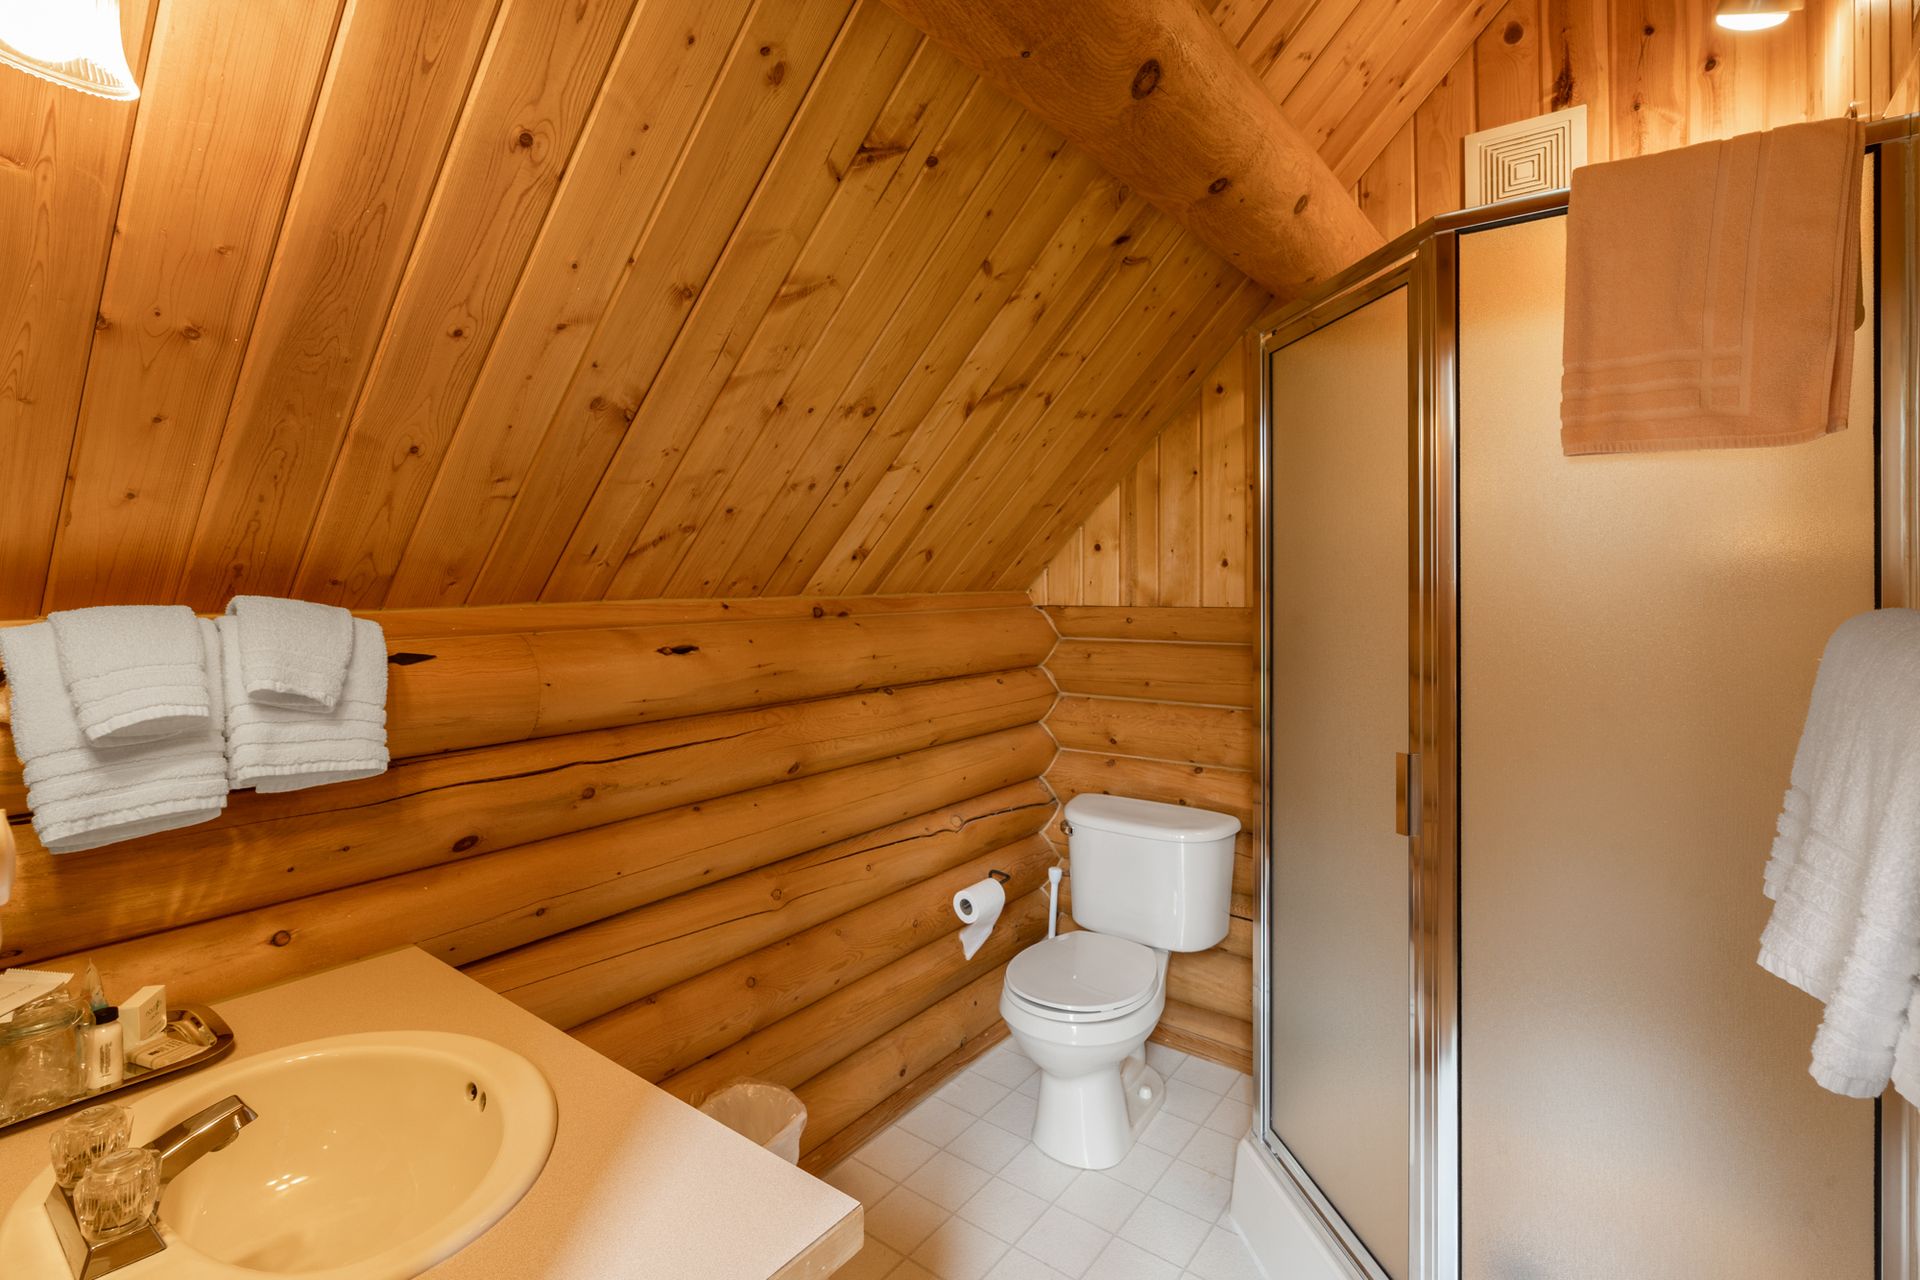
(144, 1016)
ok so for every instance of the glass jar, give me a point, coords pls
(40, 1056)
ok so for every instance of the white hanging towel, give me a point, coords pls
(292, 653)
(271, 748)
(135, 672)
(82, 795)
(1844, 873)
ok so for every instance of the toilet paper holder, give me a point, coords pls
(1001, 876)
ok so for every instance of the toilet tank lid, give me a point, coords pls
(1149, 818)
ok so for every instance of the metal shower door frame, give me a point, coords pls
(1390, 273)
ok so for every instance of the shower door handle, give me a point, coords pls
(1406, 793)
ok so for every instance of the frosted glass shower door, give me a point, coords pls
(1638, 639)
(1337, 888)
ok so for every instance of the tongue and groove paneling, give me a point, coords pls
(441, 302)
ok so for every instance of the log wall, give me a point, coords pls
(1158, 703)
(709, 839)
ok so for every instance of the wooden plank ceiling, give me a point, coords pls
(432, 302)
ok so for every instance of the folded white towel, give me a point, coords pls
(1844, 873)
(292, 654)
(83, 795)
(271, 748)
(135, 672)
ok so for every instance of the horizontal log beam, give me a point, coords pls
(1213, 1036)
(422, 813)
(675, 1028)
(686, 937)
(1213, 674)
(1217, 981)
(494, 619)
(850, 1139)
(1232, 791)
(817, 1037)
(596, 679)
(591, 970)
(481, 905)
(1180, 732)
(482, 690)
(1157, 94)
(851, 1087)
(930, 862)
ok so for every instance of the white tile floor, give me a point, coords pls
(954, 1190)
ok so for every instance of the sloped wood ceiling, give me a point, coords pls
(1350, 73)
(415, 302)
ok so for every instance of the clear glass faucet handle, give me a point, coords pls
(90, 1135)
(118, 1194)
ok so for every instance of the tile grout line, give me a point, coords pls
(955, 1191)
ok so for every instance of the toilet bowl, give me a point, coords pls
(1148, 879)
(1081, 1006)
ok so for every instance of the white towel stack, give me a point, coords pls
(84, 795)
(135, 672)
(1845, 868)
(130, 720)
(272, 747)
(295, 653)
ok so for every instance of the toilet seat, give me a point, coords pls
(1084, 977)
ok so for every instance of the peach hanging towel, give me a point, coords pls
(1712, 293)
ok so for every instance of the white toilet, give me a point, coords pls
(1148, 879)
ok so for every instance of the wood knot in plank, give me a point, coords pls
(675, 650)
(1146, 79)
(1563, 81)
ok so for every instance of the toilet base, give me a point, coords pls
(1092, 1121)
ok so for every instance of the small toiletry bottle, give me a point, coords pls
(103, 1057)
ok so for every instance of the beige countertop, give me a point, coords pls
(638, 1183)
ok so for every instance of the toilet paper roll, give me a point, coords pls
(978, 906)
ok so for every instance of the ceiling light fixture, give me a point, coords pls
(75, 43)
(1753, 15)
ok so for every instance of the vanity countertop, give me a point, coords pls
(638, 1184)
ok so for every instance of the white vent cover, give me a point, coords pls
(1525, 157)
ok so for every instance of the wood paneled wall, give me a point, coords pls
(709, 838)
(438, 302)
(1653, 74)
(1179, 529)
(1349, 73)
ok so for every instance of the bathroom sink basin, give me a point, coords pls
(373, 1156)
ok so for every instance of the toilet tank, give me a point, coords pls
(1158, 874)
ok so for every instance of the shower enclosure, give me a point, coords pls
(1530, 718)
